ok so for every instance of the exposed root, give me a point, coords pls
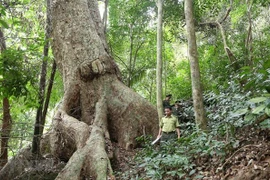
(91, 160)
(67, 136)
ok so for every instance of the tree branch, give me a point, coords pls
(261, 119)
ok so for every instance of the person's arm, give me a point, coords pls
(160, 129)
(178, 132)
(177, 125)
(159, 132)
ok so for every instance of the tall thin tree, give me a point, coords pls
(38, 129)
(194, 67)
(7, 121)
(159, 59)
(105, 16)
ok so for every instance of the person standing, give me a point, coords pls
(177, 110)
(166, 102)
(168, 125)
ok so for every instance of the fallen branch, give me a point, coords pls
(261, 119)
(247, 146)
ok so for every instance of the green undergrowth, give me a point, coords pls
(199, 151)
(180, 158)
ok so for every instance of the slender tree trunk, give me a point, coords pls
(105, 15)
(194, 66)
(249, 35)
(159, 59)
(5, 132)
(39, 123)
(130, 57)
(7, 121)
(47, 100)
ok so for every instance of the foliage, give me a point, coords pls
(14, 74)
(178, 80)
(220, 107)
(257, 107)
(178, 159)
(22, 129)
(133, 49)
(20, 66)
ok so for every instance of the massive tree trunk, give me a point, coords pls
(159, 59)
(194, 67)
(97, 108)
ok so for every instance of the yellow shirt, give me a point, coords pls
(169, 124)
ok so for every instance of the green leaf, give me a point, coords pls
(249, 117)
(199, 176)
(259, 109)
(4, 23)
(192, 172)
(267, 111)
(180, 174)
(239, 112)
(265, 124)
(257, 99)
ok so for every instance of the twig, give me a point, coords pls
(249, 145)
(261, 119)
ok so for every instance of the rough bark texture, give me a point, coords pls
(194, 66)
(97, 108)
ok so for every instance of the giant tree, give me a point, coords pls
(97, 112)
(97, 108)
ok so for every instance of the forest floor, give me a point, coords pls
(249, 161)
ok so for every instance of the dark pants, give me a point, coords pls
(168, 136)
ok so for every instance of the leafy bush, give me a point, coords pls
(178, 159)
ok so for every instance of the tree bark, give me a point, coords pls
(159, 59)
(47, 99)
(5, 132)
(7, 121)
(105, 15)
(249, 38)
(200, 117)
(97, 108)
(130, 70)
